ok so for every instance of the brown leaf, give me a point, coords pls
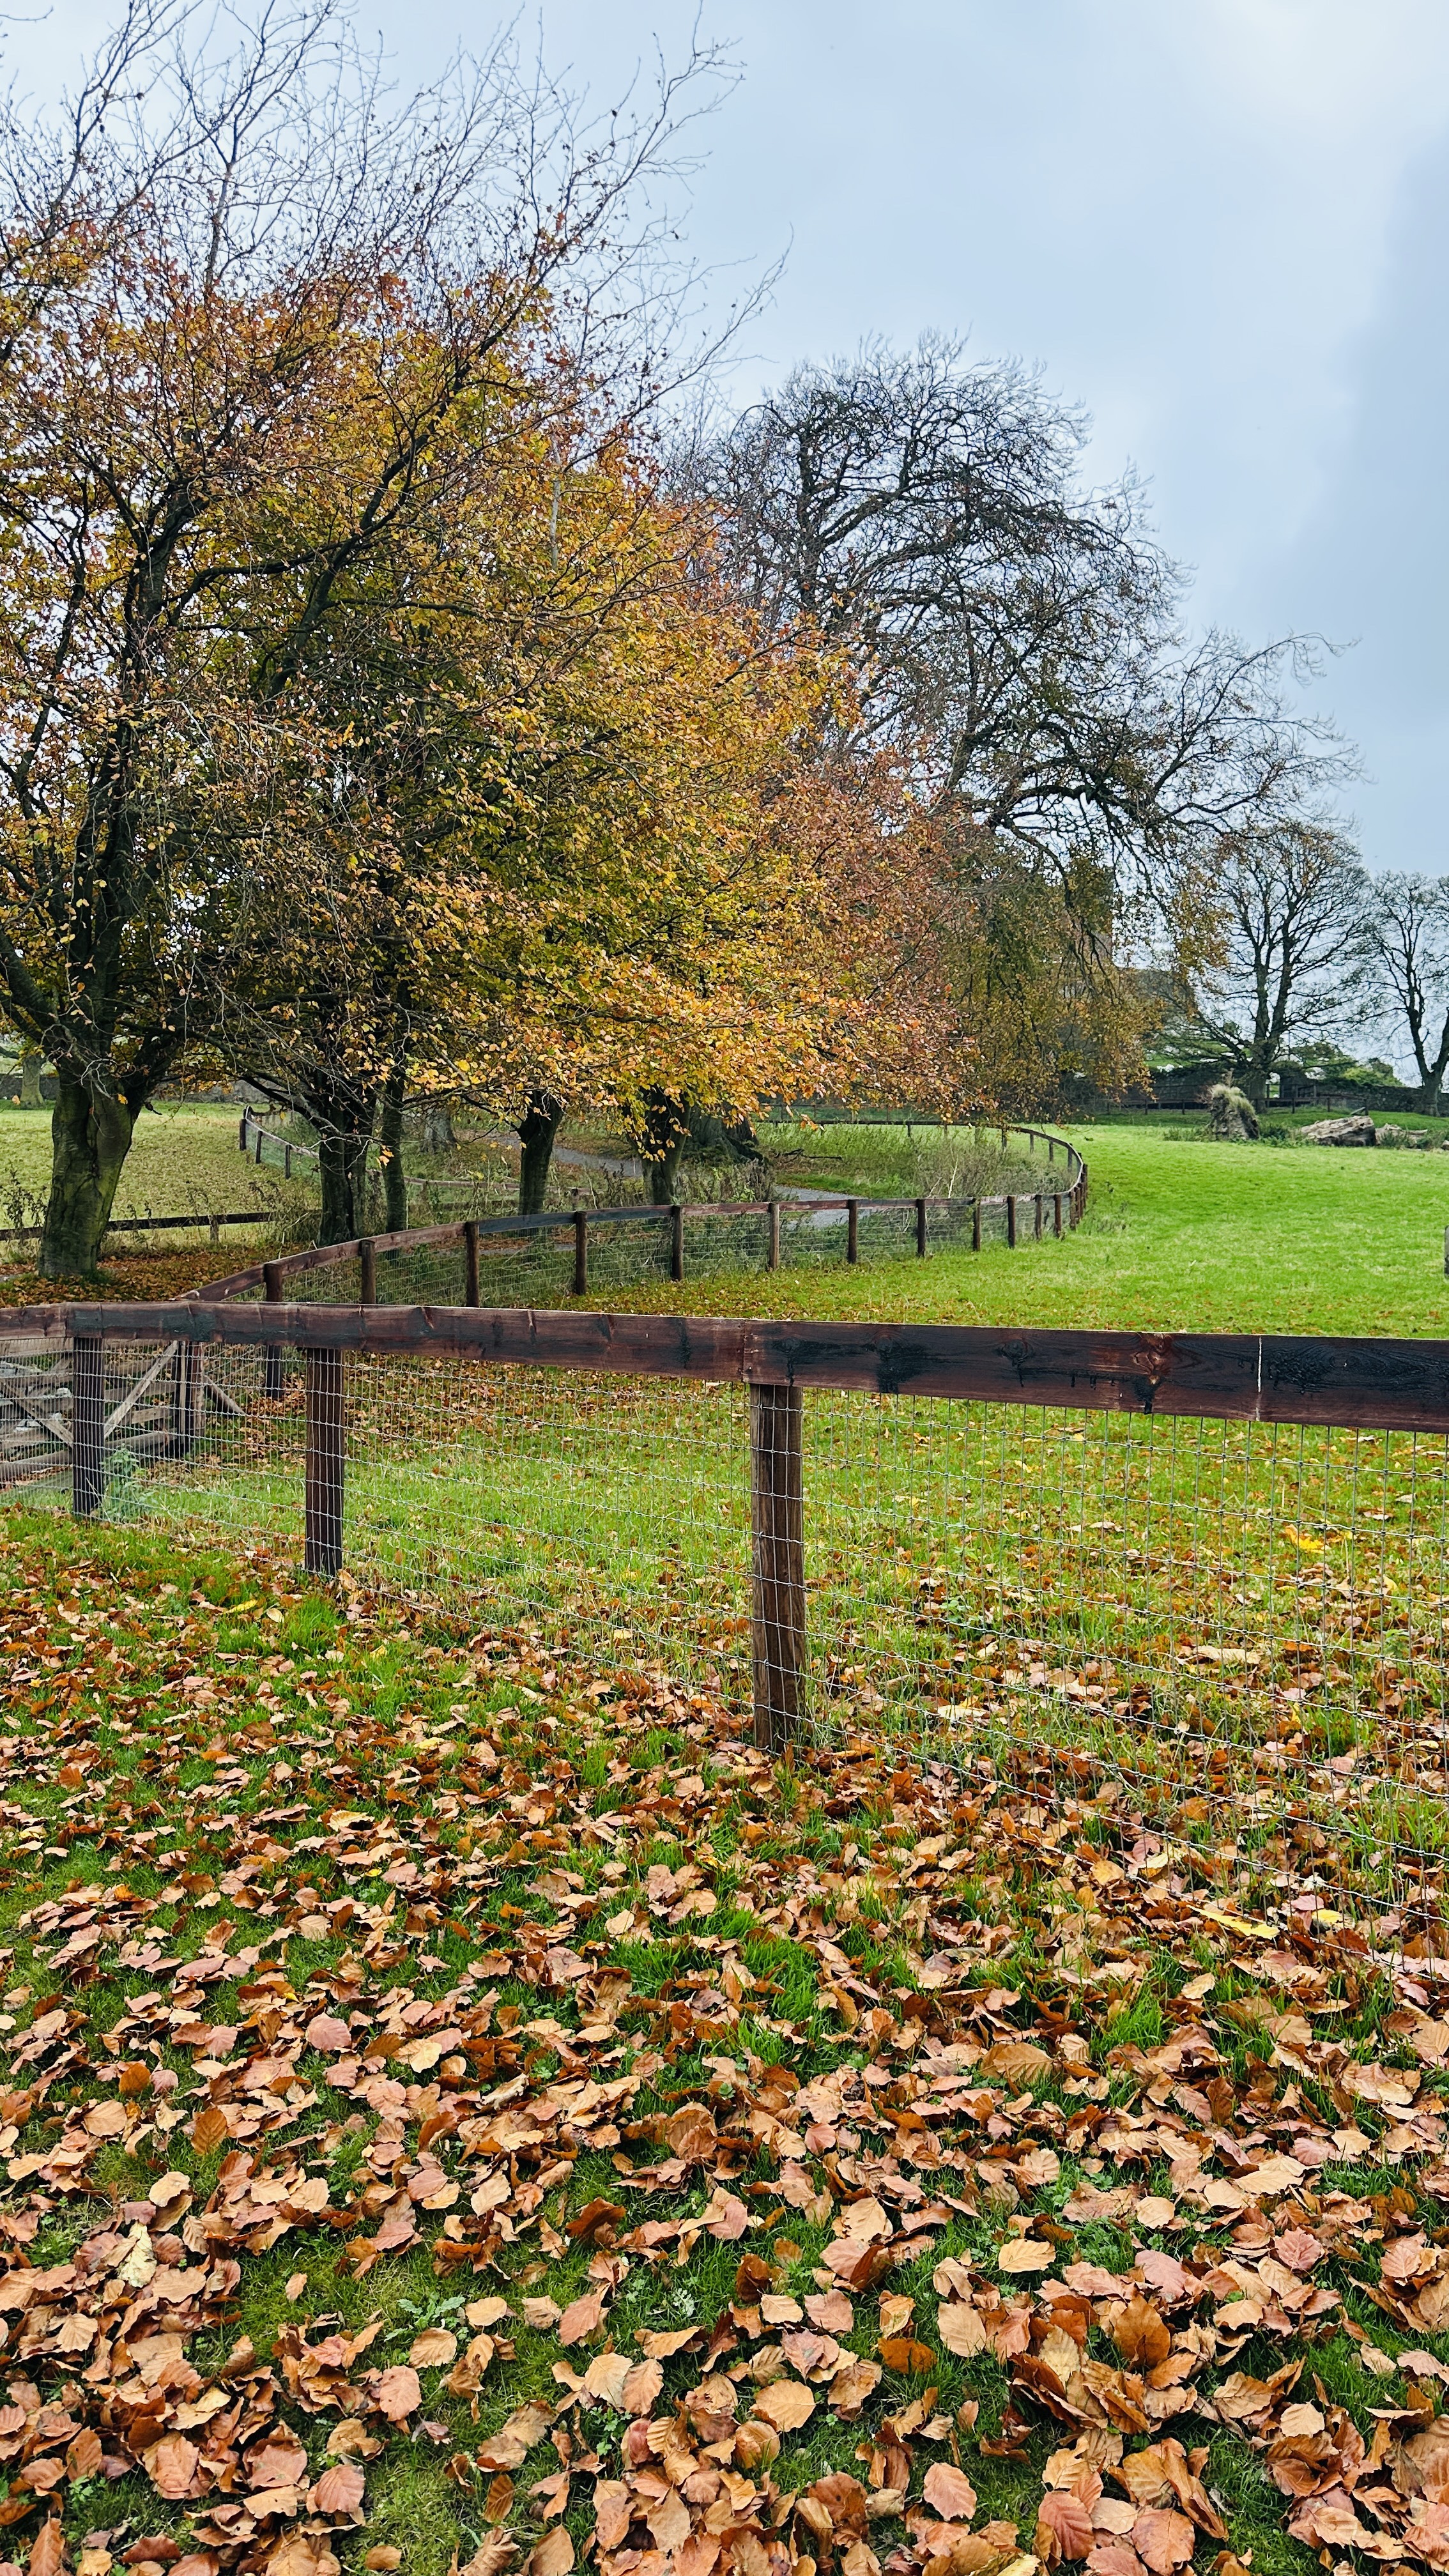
(434, 2346)
(397, 2393)
(581, 2318)
(1063, 2527)
(84, 2456)
(208, 2129)
(668, 2521)
(327, 2034)
(498, 2501)
(1025, 2254)
(47, 2555)
(1141, 2334)
(1163, 2539)
(511, 2444)
(279, 2461)
(786, 2404)
(949, 2492)
(909, 2359)
(171, 2466)
(340, 2490)
(1014, 2061)
(960, 2328)
(692, 2134)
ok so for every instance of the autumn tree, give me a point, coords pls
(234, 353)
(1014, 643)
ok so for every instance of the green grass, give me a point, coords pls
(1180, 1236)
(122, 1615)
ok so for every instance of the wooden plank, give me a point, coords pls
(1368, 1384)
(1382, 1385)
(777, 1562)
(128, 1403)
(581, 1252)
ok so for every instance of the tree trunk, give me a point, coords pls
(394, 1173)
(342, 1163)
(438, 1136)
(1254, 1081)
(90, 1139)
(537, 1129)
(666, 1133)
(30, 1078)
(1429, 1090)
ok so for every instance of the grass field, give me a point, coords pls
(1179, 1235)
(465, 2109)
(465, 2112)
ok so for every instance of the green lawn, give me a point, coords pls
(1180, 1235)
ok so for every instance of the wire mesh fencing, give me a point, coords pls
(1238, 1624)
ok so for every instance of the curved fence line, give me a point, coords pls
(1051, 1211)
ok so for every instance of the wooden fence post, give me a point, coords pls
(976, 1225)
(920, 1229)
(87, 1425)
(772, 1257)
(470, 1261)
(581, 1252)
(676, 1241)
(272, 1363)
(1057, 1207)
(852, 1230)
(260, 1142)
(1011, 1220)
(326, 1454)
(367, 1259)
(286, 1162)
(778, 1563)
(242, 1133)
(1037, 1215)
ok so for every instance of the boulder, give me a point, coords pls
(1408, 1140)
(1340, 1131)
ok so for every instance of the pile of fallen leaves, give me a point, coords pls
(861, 2166)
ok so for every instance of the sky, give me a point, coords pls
(1220, 225)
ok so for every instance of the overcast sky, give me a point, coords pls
(1219, 224)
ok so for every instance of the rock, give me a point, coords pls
(1408, 1140)
(1231, 1115)
(1340, 1131)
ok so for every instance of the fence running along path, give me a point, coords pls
(1051, 1212)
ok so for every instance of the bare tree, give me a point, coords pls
(1406, 921)
(1291, 954)
(1013, 634)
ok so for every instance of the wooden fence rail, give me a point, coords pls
(1280, 1378)
(1060, 1209)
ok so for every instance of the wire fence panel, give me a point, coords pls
(1241, 1624)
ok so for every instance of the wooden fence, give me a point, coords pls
(1359, 1385)
(1054, 1212)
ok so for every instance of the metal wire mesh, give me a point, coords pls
(1218, 1614)
(1244, 1626)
